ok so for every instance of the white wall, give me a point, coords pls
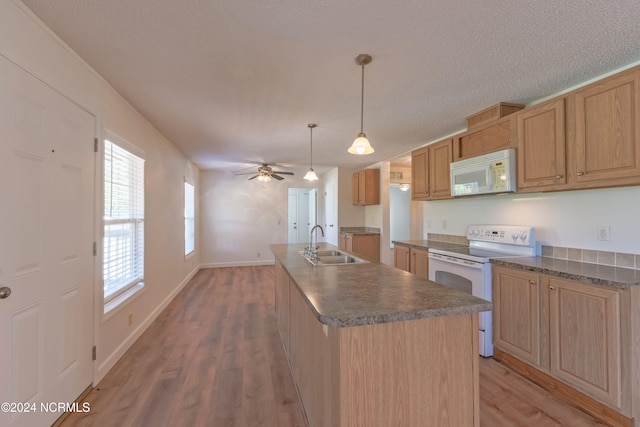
(241, 218)
(566, 218)
(25, 41)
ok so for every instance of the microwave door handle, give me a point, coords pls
(490, 176)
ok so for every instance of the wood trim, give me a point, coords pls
(560, 389)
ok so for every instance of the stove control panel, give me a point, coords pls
(508, 234)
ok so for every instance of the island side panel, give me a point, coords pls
(413, 373)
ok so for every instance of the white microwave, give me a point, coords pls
(486, 174)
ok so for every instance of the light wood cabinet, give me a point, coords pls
(366, 187)
(346, 242)
(401, 257)
(494, 136)
(282, 304)
(605, 142)
(413, 260)
(516, 313)
(585, 338)
(541, 150)
(430, 171)
(420, 174)
(575, 339)
(440, 158)
(366, 246)
(419, 262)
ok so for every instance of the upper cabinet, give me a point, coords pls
(606, 137)
(541, 146)
(495, 136)
(430, 171)
(366, 187)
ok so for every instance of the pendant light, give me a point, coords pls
(361, 144)
(311, 174)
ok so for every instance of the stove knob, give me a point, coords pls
(523, 236)
(515, 236)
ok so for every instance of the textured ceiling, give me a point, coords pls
(231, 82)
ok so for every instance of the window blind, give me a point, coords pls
(123, 240)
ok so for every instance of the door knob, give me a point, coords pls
(5, 292)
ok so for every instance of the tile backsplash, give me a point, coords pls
(616, 259)
(449, 238)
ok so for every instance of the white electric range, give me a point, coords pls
(469, 268)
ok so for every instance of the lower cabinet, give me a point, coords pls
(282, 304)
(413, 260)
(578, 335)
(366, 246)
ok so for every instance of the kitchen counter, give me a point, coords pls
(361, 294)
(595, 274)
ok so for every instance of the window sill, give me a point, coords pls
(113, 306)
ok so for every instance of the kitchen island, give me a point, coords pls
(371, 345)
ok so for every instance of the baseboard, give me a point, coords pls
(113, 358)
(558, 388)
(237, 264)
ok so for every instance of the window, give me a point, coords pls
(189, 218)
(123, 241)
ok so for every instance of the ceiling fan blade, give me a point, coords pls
(283, 173)
(244, 173)
(279, 178)
(255, 176)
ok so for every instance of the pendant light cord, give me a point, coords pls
(311, 151)
(362, 102)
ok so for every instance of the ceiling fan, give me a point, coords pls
(265, 173)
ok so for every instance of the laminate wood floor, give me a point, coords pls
(213, 358)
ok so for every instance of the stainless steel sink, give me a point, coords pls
(332, 257)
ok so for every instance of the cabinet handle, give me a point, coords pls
(580, 173)
(558, 176)
(533, 282)
(553, 288)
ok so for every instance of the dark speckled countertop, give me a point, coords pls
(369, 293)
(599, 275)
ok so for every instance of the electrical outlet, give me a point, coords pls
(444, 224)
(604, 233)
(258, 254)
(130, 319)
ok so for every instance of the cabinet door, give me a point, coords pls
(348, 243)
(282, 304)
(486, 139)
(401, 257)
(516, 313)
(440, 158)
(419, 263)
(607, 131)
(585, 338)
(367, 246)
(420, 174)
(541, 146)
(355, 192)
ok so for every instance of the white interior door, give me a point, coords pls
(330, 214)
(292, 218)
(46, 238)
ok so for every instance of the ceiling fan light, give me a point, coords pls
(264, 178)
(311, 175)
(361, 145)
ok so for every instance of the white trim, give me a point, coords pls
(110, 361)
(236, 264)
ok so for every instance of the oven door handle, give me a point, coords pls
(452, 260)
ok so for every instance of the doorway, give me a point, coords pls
(302, 213)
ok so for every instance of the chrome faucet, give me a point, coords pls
(312, 249)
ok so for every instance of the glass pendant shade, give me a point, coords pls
(361, 145)
(311, 175)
